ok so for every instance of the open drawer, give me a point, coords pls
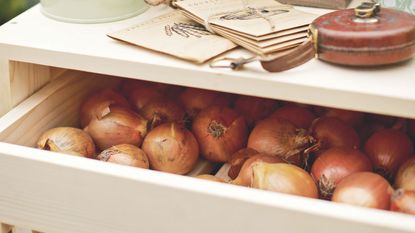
(48, 192)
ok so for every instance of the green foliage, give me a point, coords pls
(11, 8)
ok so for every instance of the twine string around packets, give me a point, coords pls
(244, 8)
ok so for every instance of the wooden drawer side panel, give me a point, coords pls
(55, 105)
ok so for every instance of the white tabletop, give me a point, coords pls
(32, 37)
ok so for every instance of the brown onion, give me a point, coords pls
(333, 132)
(352, 118)
(171, 148)
(405, 178)
(299, 116)
(388, 149)
(161, 111)
(254, 108)
(364, 189)
(125, 154)
(403, 201)
(279, 137)
(284, 178)
(194, 100)
(238, 159)
(117, 125)
(94, 104)
(244, 177)
(140, 96)
(333, 165)
(384, 120)
(220, 132)
(67, 140)
(210, 177)
(411, 129)
(130, 85)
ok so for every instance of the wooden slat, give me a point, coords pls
(18, 229)
(5, 94)
(66, 194)
(55, 105)
(25, 79)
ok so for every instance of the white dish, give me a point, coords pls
(92, 11)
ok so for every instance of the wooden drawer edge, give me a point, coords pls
(52, 193)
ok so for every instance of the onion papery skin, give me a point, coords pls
(117, 125)
(333, 132)
(238, 159)
(365, 189)
(254, 108)
(245, 175)
(161, 111)
(405, 178)
(141, 96)
(279, 137)
(403, 201)
(171, 148)
(210, 177)
(125, 154)
(95, 103)
(299, 116)
(351, 118)
(388, 149)
(194, 100)
(283, 178)
(220, 132)
(412, 129)
(333, 165)
(67, 140)
(130, 85)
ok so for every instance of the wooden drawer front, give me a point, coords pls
(51, 193)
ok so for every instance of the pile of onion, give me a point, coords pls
(332, 132)
(194, 100)
(411, 129)
(238, 159)
(405, 178)
(388, 149)
(94, 104)
(333, 165)
(220, 132)
(283, 178)
(364, 189)
(117, 125)
(403, 201)
(171, 148)
(301, 117)
(279, 137)
(244, 177)
(125, 154)
(67, 140)
(139, 96)
(161, 111)
(254, 108)
(352, 118)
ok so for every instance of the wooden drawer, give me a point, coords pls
(51, 192)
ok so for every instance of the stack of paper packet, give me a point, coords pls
(264, 27)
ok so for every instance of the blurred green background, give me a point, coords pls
(11, 8)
